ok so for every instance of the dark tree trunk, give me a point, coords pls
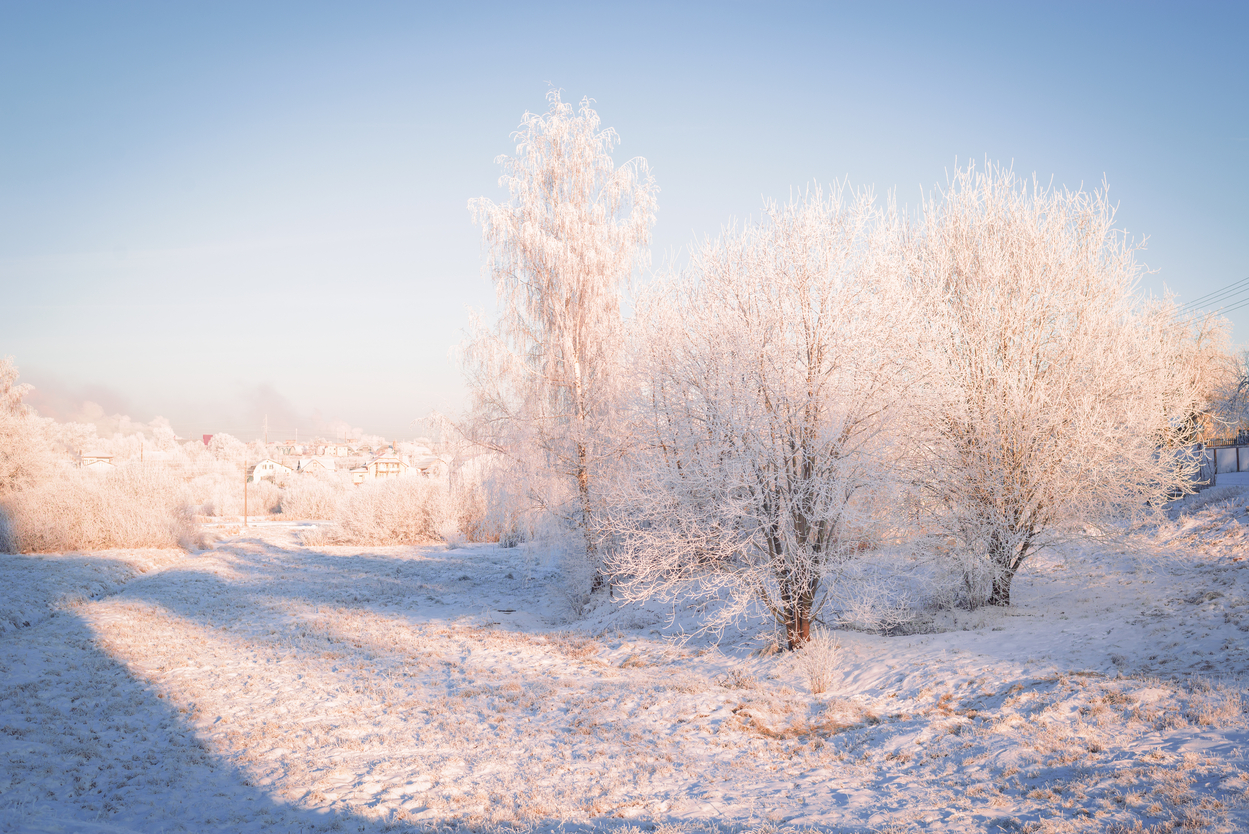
(797, 631)
(1006, 562)
(1001, 588)
(798, 599)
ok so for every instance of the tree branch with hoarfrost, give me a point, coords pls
(545, 379)
(1066, 392)
(779, 374)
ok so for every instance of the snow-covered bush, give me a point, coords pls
(817, 660)
(219, 492)
(133, 506)
(313, 497)
(483, 491)
(877, 604)
(211, 492)
(263, 498)
(392, 511)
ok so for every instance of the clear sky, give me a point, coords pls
(213, 212)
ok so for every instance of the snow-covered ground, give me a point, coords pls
(265, 686)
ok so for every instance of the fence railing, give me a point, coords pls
(1241, 439)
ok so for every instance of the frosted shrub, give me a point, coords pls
(399, 511)
(875, 604)
(818, 659)
(209, 492)
(449, 531)
(134, 506)
(493, 494)
(309, 496)
(474, 511)
(486, 510)
(220, 493)
(263, 498)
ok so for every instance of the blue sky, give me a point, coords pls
(213, 212)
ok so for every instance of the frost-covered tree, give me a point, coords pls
(1065, 393)
(1229, 392)
(545, 378)
(25, 456)
(228, 448)
(780, 376)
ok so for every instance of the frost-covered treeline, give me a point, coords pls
(969, 384)
(156, 491)
(46, 504)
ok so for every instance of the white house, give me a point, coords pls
(95, 462)
(392, 465)
(387, 466)
(333, 450)
(316, 465)
(268, 469)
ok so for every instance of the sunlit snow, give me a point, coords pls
(263, 686)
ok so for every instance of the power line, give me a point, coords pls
(1231, 308)
(1234, 289)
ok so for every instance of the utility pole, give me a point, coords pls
(266, 431)
(244, 492)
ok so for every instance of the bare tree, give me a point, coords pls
(545, 379)
(1065, 391)
(778, 375)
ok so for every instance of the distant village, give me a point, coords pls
(356, 463)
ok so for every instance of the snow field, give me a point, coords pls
(267, 686)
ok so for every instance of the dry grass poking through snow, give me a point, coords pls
(396, 688)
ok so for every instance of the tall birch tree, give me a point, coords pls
(545, 377)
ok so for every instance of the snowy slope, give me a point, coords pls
(264, 686)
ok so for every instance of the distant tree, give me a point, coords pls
(1229, 397)
(545, 378)
(780, 378)
(228, 448)
(25, 456)
(1067, 396)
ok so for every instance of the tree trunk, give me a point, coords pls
(583, 496)
(797, 631)
(1001, 588)
(587, 532)
(798, 603)
(1002, 557)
